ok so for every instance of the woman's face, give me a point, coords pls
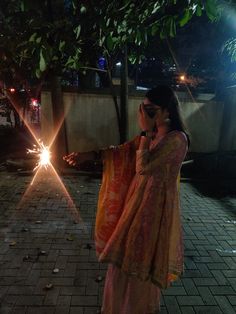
(151, 109)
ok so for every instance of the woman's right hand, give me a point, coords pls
(146, 123)
(75, 159)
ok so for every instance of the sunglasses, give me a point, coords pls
(150, 109)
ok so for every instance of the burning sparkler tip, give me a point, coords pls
(43, 153)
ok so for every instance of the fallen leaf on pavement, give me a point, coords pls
(49, 286)
(99, 279)
(70, 238)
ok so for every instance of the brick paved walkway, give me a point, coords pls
(43, 242)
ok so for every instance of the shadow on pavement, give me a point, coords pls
(219, 189)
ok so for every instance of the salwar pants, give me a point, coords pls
(128, 295)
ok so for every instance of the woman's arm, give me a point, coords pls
(145, 123)
(77, 158)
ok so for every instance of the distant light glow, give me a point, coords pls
(118, 64)
(182, 78)
(34, 102)
(12, 90)
(141, 88)
(102, 63)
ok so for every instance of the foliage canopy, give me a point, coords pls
(41, 36)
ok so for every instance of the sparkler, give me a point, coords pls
(43, 153)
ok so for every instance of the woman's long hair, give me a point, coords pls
(165, 97)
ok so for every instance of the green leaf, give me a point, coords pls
(83, 9)
(211, 9)
(230, 48)
(38, 40)
(124, 25)
(32, 37)
(132, 59)
(42, 63)
(138, 39)
(77, 31)
(125, 6)
(38, 73)
(62, 45)
(156, 7)
(73, 5)
(109, 42)
(124, 38)
(163, 33)
(172, 31)
(22, 6)
(186, 17)
(141, 57)
(199, 10)
(69, 61)
(101, 41)
(108, 22)
(154, 29)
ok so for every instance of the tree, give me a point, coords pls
(37, 40)
(40, 40)
(230, 48)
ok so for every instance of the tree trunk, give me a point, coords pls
(59, 146)
(124, 96)
(114, 97)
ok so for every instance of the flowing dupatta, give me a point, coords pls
(118, 172)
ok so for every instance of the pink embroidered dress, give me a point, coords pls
(138, 225)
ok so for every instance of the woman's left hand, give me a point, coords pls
(75, 159)
(145, 122)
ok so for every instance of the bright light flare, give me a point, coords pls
(45, 157)
(43, 153)
(182, 78)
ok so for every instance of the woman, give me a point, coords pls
(138, 228)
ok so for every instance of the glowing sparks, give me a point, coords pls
(43, 153)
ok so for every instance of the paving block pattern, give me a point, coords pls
(47, 255)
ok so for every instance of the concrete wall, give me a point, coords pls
(91, 121)
(203, 120)
(46, 118)
(227, 139)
